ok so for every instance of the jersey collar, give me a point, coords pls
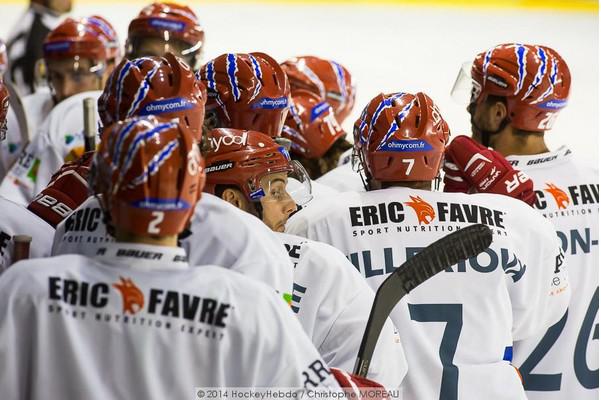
(543, 160)
(142, 256)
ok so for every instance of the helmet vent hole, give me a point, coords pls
(255, 119)
(417, 121)
(187, 121)
(170, 76)
(426, 161)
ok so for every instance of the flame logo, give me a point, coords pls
(133, 299)
(422, 209)
(561, 198)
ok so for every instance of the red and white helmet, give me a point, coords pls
(247, 91)
(164, 86)
(534, 80)
(150, 174)
(402, 138)
(4, 97)
(3, 58)
(311, 125)
(76, 38)
(105, 29)
(175, 24)
(241, 158)
(326, 78)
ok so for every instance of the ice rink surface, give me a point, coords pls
(392, 48)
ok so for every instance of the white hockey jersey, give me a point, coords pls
(59, 139)
(36, 106)
(136, 322)
(219, 234)
(563, 362)
(343, 179)
(17, 220)
(332, 303)
(457, 328)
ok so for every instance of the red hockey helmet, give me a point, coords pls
(326, 78)
(150, 174)
(106, 30)
(174, 24)
(247, 91)
(241, 158)
(402, 138)
(75, 38)
(164, 86)
(534, 80)
(311, 125)
(3, 58)
(3, 109)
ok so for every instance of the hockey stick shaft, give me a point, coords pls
(443, 253)
(89, 123)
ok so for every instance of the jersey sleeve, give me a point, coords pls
(32, 170)
(285, 353)
(537, 278)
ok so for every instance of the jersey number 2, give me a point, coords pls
(158, 217)
(452, 314)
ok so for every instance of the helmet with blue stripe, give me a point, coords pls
(534, 81)
(150, 174)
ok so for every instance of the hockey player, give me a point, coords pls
(99, 316)
(255, 174)
(317, 138)
(76, 54)
(518, 92)
(165, 27)
(457, 329)
(15, 219)
(219, 234)
(25, 40)
(36, 106)
(246, 91)
(328, 79)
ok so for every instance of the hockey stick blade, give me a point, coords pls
(443, 253)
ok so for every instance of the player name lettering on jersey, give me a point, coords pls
(166, 303)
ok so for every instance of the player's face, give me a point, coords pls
(277, 203)
(68, 77)
(479, 118)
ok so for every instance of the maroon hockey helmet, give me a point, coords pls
(164, 86)
(247, 91)
(150, 174)
(402, 138)
(534, 80)
(176, 25)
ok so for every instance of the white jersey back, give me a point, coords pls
(563, 362)
(58, 139)
(17, 220)
(343, 179)
(332, 303)
(457, 328)
(219, 234)
(136, 322)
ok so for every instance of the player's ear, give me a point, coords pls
(235, 197)
(497, 113)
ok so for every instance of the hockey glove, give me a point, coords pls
(357, 387)
(68, 188)
(472, 168)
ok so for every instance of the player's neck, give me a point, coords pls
(128, 237)
(508, 142)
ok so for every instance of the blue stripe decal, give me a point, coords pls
(122, 74)
(520, 53)
(143, 90)
(211, 75)
(120, 139)
(156, 162)
(232, 68)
